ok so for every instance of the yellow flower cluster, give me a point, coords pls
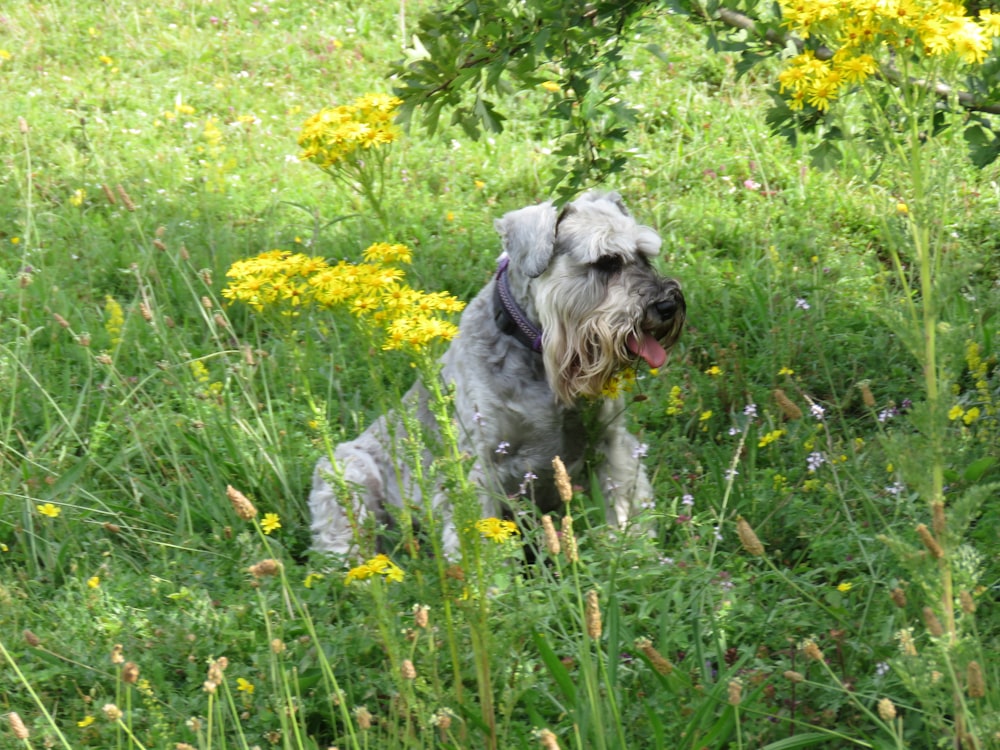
(373, 291)
(378, 565)
(769, 438)
(335, 134)
(862, 31)
(497, 530)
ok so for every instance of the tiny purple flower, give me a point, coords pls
(817, 411)
(735, 430)
(882, 669)
(731, 474)
(801, 304)
(477, 418)
(815, 460)
(688, 499)
(641, 450)
(750, 410)
(648, 505)
(896, 489)
(502, 448)
(751, 184)
(886, 414)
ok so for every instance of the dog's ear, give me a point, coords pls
(529, 235)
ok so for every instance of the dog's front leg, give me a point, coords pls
(626, 487)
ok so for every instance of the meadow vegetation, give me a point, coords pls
(190, 315)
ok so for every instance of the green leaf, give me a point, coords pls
(556, 668)
(974, 471)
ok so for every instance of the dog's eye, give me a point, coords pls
(608, 264)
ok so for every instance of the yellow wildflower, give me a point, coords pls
(270, 522)
(497, 530)
(48, 509)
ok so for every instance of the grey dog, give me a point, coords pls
(574, 302)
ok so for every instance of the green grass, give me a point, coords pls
(133, 430)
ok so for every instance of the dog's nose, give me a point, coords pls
(666, 308)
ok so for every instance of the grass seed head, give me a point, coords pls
(17, 726)
(748, 538)
(264, 568)
(658, 661)
(929, 541)
(593, 615)
(563, 484)
(130, 672)
(974, 680)
(569, 540)
(898, 597)
(932, 622)
(241, 503)
(792, 676)
(552, 545)
(788, 407)
(547, 739)
(407, 670)
(886, 710)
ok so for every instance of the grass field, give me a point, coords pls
(147, 149)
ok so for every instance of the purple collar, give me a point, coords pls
(509, 316)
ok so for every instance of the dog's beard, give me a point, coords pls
(588, 341)
(593, 329)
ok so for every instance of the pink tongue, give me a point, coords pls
(648, 348)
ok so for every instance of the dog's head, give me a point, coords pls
(587, 273)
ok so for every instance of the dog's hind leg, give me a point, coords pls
(342, 506)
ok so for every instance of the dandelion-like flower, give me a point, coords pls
(378, 565)
(271, 522)
(338, 134)
(49, 510)
(496, 529)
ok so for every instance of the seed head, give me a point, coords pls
(748, 538)
(277, 646)
(116, 654)
(241, 503)
(159, 245)
(31, 639)
(363, 717)
(569, 540)
(792, 676)
(548, 739)
(269, 567)
(407, 670)
(788, 407)
(17, 725)
(60, 320)
(974, 680)
(126, 199)
(898, 597)
(145, 312)
(130, 672)
(866, 395)
(658, 661)
(593, 615)
(734, 692)
(812, 650)
(886, 710)
(551, 537)
(421, 613)
(929, 541)
(109, 194)
(112, 712)
(932, 622)
(563, 484)
(22, 125)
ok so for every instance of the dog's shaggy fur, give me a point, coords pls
(584, 277)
